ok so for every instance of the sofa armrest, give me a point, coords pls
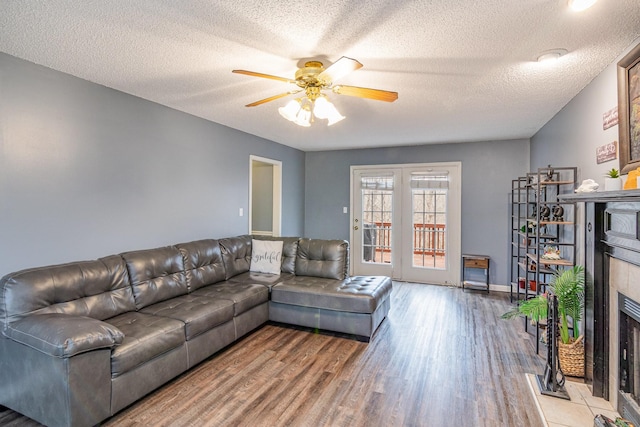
(63, 335)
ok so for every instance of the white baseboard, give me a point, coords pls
(493, 287)
(499, 288)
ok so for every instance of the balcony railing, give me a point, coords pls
(428, 239)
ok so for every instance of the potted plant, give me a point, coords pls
(568, 287)
(612, 181)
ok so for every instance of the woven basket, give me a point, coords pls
(571, 358)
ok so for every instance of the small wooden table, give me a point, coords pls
(475, 261)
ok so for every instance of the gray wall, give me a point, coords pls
(572, 136)
(487, 171)
(87, 171)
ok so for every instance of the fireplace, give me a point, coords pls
(629, 359)
(611, 254)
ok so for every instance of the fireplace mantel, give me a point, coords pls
(603, 196)
(612, 217)
(612, 241)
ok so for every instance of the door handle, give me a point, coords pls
(355, 228)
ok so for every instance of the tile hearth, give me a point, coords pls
(577, 412)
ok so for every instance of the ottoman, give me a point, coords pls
(356, 305)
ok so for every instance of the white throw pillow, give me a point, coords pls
(266, 256)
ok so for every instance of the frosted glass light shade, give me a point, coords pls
(290, 111)
(303, 118)
(323, 109)
(335, 118)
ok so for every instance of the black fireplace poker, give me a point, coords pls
(551, 383)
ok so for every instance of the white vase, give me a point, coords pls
(612, 184)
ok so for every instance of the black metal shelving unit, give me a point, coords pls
(541, 225)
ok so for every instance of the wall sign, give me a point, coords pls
(610, 118)
(607, 152)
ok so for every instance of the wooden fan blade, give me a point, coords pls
(264, 76)
(271, 98)
(338, 69)
(363, 92)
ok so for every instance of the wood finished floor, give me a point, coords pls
(443, 357)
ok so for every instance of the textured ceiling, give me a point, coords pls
(464, 70)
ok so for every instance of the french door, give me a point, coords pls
(406, 222)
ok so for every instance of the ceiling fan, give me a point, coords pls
(313, 78)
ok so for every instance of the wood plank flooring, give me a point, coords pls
(442, 357)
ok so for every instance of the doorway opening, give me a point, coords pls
(265, 196)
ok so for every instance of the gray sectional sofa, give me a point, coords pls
(81, 341)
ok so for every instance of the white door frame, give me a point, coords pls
(454, 213)
(450, 275)
(394, 268)
(277, 193)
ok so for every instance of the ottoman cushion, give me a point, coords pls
(358, 294)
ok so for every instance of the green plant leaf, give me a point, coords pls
(613, 173)
(534, 308)
(568, 286)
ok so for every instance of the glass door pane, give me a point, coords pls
(377, 219)
(429, 228)
(375, 228)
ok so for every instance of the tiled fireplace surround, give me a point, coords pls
(623, 278)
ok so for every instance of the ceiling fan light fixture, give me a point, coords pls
(303, 118)
(313, 78)
(580, 5)
(290, 111)
(335, 119)
(323, 109)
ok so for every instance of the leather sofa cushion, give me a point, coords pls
(202, 262)
(323, 258)
(265, 279)
(62, 335)
(289, 251)
(236, 254)
(98, 289)
(245, 296)
(359, 294)
(156, 274)
(145, 337)
(198, 313)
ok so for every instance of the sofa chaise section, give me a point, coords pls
(323, 296)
